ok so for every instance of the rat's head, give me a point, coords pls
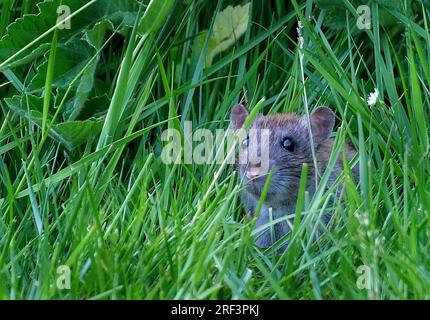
(281, 142)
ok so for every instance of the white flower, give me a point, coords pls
(299, 27)
(301, 42)
(299, 34)
(373, 97)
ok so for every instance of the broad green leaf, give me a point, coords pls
(74, 133)
(70, 60)
(30, 27)
(230, 24)
(94, 107)
(95, 38)
(70, 134)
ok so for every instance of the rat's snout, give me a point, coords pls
(256, 170)
(253, 172)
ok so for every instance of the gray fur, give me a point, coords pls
(283, 188)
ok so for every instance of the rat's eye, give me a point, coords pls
(245, 142)
(288, 144)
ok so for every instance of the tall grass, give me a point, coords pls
(129, 226)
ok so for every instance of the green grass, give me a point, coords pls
(130, 226)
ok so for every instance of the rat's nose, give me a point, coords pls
(253, 172)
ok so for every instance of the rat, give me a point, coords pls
(289, 146)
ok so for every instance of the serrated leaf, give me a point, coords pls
(29, 27)
(95, 107)
(70, 134)
(95, 38)
(71, 58)
(74, 133)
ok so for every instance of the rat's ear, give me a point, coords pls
(238, 116)
(322, 123)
